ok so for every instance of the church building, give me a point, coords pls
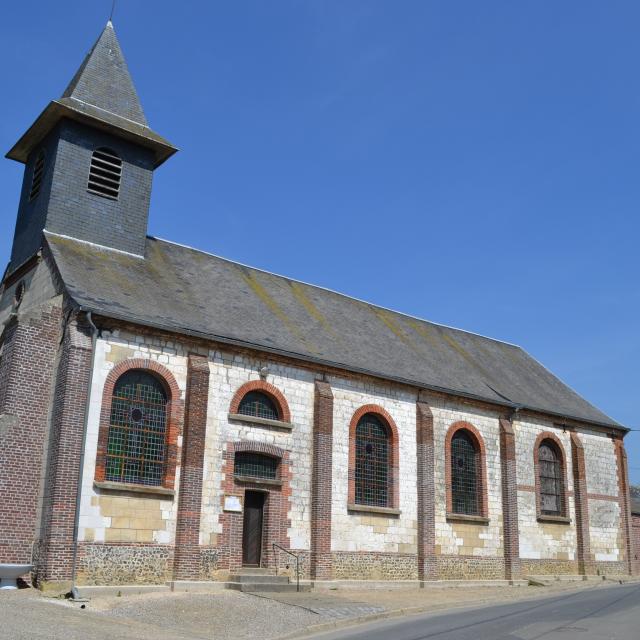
(170, 416)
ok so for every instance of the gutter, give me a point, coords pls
(76, 524)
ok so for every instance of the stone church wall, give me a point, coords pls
(126, 537)
(130, 537)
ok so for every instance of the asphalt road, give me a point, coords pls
(611, 613)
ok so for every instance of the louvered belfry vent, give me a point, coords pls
(105, 173)
(38, 173)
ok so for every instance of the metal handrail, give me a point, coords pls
(275, 546)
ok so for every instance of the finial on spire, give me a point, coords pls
(113, 8)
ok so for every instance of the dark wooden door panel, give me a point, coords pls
(252, 529)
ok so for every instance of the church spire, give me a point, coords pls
(101, 95)
(103, 80)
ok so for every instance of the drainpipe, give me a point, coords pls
(76, 525)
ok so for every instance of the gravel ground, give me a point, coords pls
(24, 615)
(229, 615)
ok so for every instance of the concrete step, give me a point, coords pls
(256, 571)
(273, 587)
(258, 578)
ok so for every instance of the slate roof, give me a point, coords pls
(101, 94)
(103, 80)
(187, 291)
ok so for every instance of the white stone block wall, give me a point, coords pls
(228, 373)
(541, 540)
(369, 532)
(456, 538)
(602, 479)
(353, 532)
(98, 509)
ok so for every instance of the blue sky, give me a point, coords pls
(471, 163)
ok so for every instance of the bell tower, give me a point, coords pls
(89, 161)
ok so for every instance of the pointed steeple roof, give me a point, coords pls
(102, 95)
(103, 80)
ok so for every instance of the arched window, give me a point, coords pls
(38, 174)
(105, 173)
(248, 464)
(372, 462)
(551, 480)
(136, 444)
(258, 405)
(465, 474)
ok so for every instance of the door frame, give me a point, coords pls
(265, 497)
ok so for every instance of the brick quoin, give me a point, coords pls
(482, 476)
(63, 465)
(510, 531)
(625, 506)
(27, 363)
(322, 483)
(187, 551)
(583, 545)
(427, 562)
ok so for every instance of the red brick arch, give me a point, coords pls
(483, 502)
(175, 415)
(548, 435)
(394, 444)
(269, 390)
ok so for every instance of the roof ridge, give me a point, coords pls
(338, 293)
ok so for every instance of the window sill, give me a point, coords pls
(463, 517)
(363, 508)
(557, 519)
(264, 481)
(134, 488)
(263, 422)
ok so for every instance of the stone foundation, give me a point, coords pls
(375, 566)
(113, 564)
(469, 568)
(548, 567)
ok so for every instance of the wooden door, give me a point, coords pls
(252, 529)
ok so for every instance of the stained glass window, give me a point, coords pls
(550, 479)
(465, 469)
(258, 405)
(372, 462)
(255, 465)
(136, 448)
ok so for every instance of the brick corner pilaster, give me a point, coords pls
(511, 538)
(625, 503)
(187, 544)
(322, 480)
(425, 453)
(585, 563)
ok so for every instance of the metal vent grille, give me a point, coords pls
(550, 479)
(372, 462)
(464, 474)
(258, 405)
(136, 449)
(254, 465)
(38, 174)
(105, 174)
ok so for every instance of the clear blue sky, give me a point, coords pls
(472, 163)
